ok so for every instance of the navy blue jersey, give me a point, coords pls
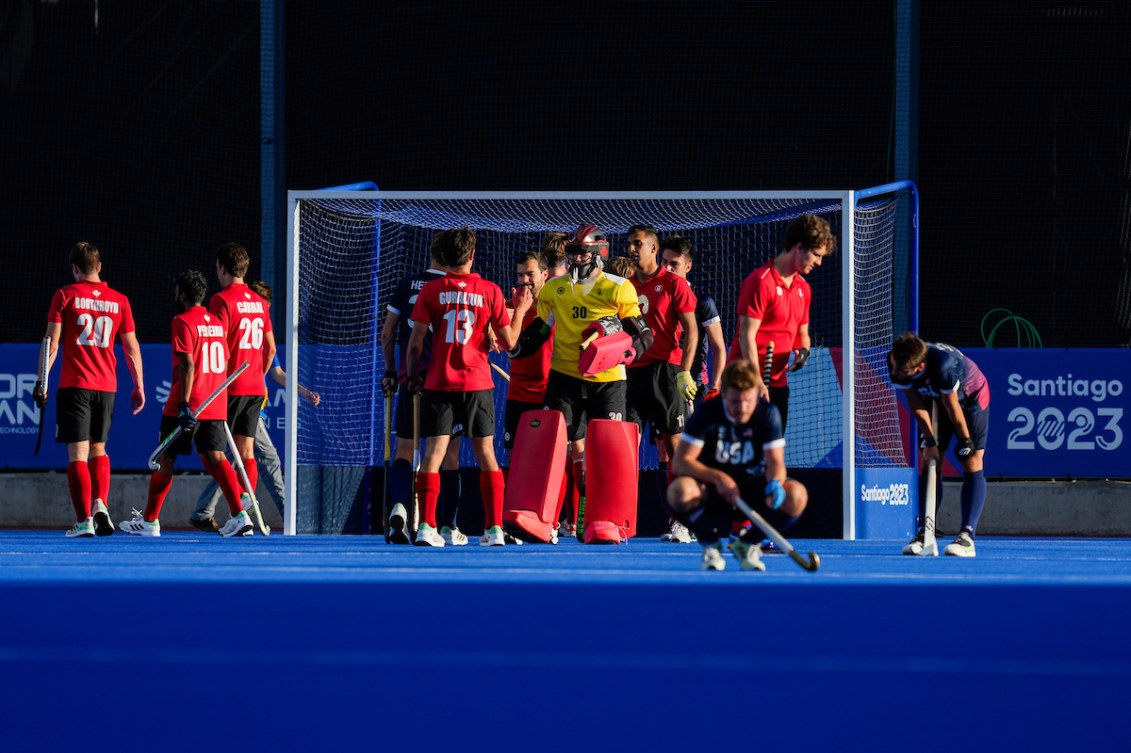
(706, 313)
(737, 450)
(402, 303)
(948, 370)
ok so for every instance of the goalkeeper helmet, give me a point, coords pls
(587, 239)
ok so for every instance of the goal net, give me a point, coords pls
(349, 249)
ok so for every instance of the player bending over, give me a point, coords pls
(936, 374)
(733, 447)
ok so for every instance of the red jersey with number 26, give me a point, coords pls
(200, 334)
(246, 317)
(90, 315)
(459, 309)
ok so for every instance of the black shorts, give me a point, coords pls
(779, 396)
(442, 412)
(209, 436)
(402, 420)
(580, 400)
(243, 414)
(82, 415)
(512, 413)
(652, 397)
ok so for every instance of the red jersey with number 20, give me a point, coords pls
(90, 315)
(459, 309)
(246, 317)
(200, 334)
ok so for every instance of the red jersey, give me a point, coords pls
(459, 308)
(200, 334)
(246, 317)
(782, 310)
(530, 374)
(91, 316)
(662, 298)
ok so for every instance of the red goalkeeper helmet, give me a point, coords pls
(587, 239)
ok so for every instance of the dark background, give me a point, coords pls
(138, 129)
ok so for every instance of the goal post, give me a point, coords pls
(348, 249)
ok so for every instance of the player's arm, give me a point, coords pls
(52, 345)
(953, 408)
(508, 335)
(389, 351)
(532, 338)
(922, 413)
(269, 350)
(133, 362)
(685, 462)
(748, 342)
(691, 328)
(718, 347)
(415, 350)
(801, 348)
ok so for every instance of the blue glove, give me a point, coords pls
(777, 491)
(965, 448)
(185, 418)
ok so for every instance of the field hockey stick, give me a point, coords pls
(414, 524)
(385, 486)
(768, 363)
(153, 464)
(500, 371)
(930, 545)
(237, 461)
(43, 361)
(811, 563)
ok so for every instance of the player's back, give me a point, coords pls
(246, 318)
(91, 315)
(459, 309)
(200, 334)
(401, 304)
(570, 308)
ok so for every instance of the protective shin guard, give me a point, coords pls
(78, 482)
(159, 485)
(448, 505)
(100, 478)
(491, 487)
(973, 498)
(251, 468)
(400, 477)
(428, 491)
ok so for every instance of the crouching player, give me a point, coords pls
(733, 447)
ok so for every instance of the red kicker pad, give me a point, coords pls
(537, 465)
(611, 468)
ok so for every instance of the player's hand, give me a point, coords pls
(927, 454)
(965, 448)
(713, 392)
(185, 418)
(38, 394)
(522, 298)
(315, 398)
(414, 384)
(137, 399)
(775, 494)
(800, 358)
(388, 384)
(686, 385)
(727, 489)
(762, 389)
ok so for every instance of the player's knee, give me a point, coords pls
(683, 495)
(796, 498)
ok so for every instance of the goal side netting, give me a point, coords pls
(349, 249)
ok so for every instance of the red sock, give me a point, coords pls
(78, 481)
(561, 499)
(428, 492)
(229, 484)
(100, 478)
(252, 471)
(159, 485)
(491, 486)
(572, 494)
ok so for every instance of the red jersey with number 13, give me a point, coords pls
(200, 334)
(459, 309)
(90, 315)
(246, 317)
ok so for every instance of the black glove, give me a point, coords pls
(39, 395)
(965, 448)
(185, 418)
(927, 441)
(414, 384)
(800, 356)
(389, 383)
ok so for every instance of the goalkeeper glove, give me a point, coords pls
(39, 395)
(711, 393)
(776, 492)
(185, 418)
(965, 448)
(800, 357)
(686, 385)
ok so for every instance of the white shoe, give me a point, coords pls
(493, 536)
(453, 536)
(566, 530)
(82, 529)
(237, 525)
(749, 556)
(138, 526)
(915, 546)
(554, 535)
(398, 525)
(963, 546)
(713, 557)
(103, 526)
(426, 535)
(678, 534)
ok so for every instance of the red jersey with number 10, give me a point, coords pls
(200, 334)
(246, 317)
(459, 309)
(90, 315)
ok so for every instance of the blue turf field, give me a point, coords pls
(345, 643)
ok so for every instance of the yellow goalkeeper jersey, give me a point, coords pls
(571, 308)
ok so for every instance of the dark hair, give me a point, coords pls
(262, 288)
(193, 285)
(525, 256)
(234, 258)
(646, 229)
(453, 248)
(680, 245)
(908, 351)
(811, 232)
(85, 256)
